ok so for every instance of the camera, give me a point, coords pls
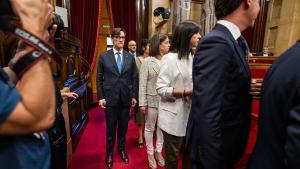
(5, 8)
(60, 26)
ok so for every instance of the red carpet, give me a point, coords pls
(90, 152)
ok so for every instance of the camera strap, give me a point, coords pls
(25, 62)
(31, 40)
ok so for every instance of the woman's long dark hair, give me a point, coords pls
(144, 45)
(182, 37)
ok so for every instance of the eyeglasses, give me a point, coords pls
(119, 37)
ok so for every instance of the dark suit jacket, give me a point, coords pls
(220, 115)
(113, 86)
(278, 141)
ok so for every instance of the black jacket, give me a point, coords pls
(113, 86)
(278, 140)
(219, 121)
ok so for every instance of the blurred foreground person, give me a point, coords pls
(278, 141)
(27, 111)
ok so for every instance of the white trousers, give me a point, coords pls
(151, 120)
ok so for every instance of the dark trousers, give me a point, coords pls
(117, 118)
(173, 145)
(58, 140)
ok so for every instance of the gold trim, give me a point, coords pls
(259, 67)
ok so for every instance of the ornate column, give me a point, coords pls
(210, 17)
(260, 27)
(142, 8)
(181, 11)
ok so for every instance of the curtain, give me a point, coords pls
(85, 16)
(124, 15)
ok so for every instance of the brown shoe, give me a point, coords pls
(160, 159)
(152, 162)
(140, 145)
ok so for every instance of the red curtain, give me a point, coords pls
(124, 15)
(84, 25)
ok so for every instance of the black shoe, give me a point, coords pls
(140, 145)
(124, 156)
(109, 161)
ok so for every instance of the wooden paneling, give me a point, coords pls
(260, 27)
(73, 76)
(106, 25)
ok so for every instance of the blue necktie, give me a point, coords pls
(119, 62)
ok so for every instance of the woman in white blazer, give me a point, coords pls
(174, 85)
(148, 98)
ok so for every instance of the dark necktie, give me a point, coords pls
(244, 46)
(119, 62)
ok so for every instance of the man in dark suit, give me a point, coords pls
(278, 140)
(265, 52)
(117, 90)
(132, 48)
(221, 104)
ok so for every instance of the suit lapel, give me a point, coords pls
(113, 61)
(182, 68)
(126, 59)
(155, 65)
(237, 48)
(242, 57)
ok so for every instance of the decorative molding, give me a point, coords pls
(199, 1)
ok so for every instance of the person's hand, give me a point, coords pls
(144, 109)
(49, 35)
(255, 88)
(36, 15)
(102, 103)
(70, 95)
(188, 92)
(133, 102)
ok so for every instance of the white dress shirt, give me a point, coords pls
(116, 56)
(234, 30)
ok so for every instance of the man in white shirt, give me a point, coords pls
(221, 104)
